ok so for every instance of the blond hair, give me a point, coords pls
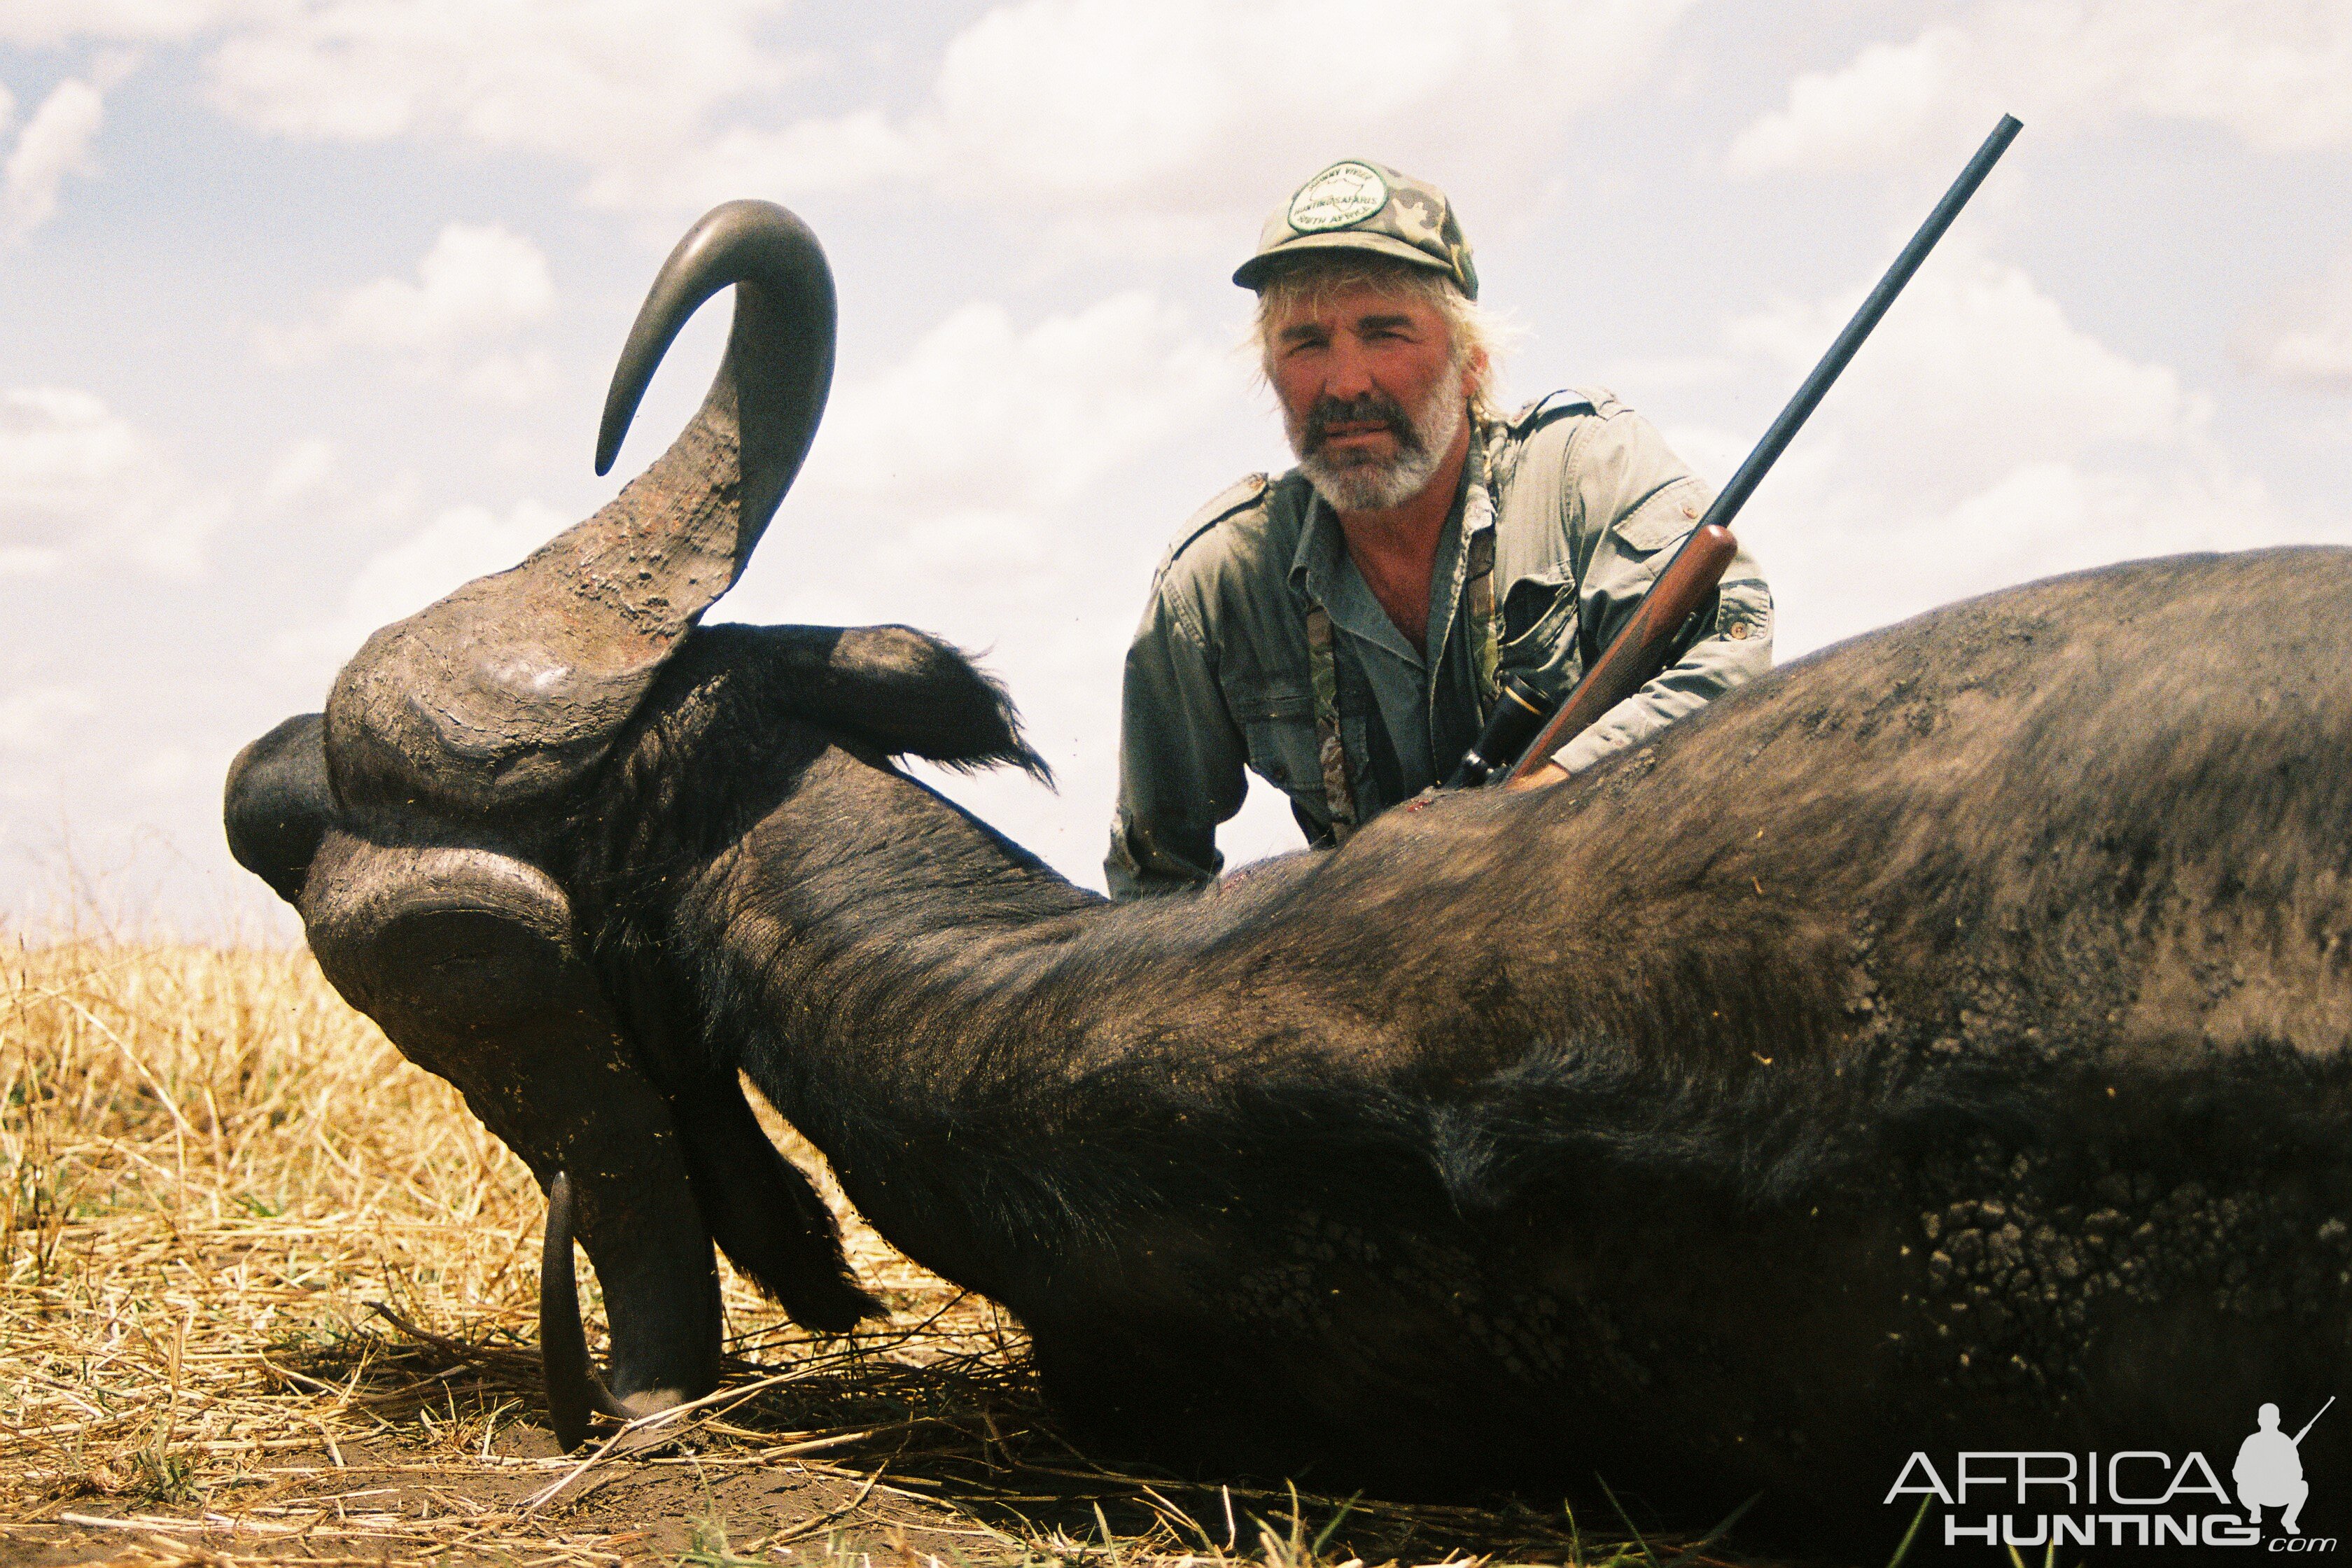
(1310, 282)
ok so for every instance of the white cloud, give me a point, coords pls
(300, 472)
(29, 560)
(1191, 106)
(43, 23)
(174, 539)
(963, 472)
(1889, 96)
(1028, 418)
(166, 773)
(38, 718)
(75, 479)
(478, 281)
(459, 545)
(54, 143)
(57, 445)
(2307, 342)
(508, 378)
(599, 80)
(1981, 439)
(2279, 75)
(1976, 355)
(1098, 106)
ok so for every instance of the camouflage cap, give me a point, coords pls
(1357, 206)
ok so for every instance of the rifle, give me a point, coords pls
(2308, 1425)
(1637, 655)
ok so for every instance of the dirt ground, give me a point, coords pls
(951, 1463)
(382, 1504)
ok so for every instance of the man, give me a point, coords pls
(1341, 630)
(2269, 1472)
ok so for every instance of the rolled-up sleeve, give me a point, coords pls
(1630, 505)
(1181, 759)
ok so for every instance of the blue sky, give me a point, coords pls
(306, 309)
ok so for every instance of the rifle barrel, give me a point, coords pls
(1572, 716)
(1808, 395)
(2313, 1421)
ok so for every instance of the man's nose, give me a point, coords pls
(1348, 373)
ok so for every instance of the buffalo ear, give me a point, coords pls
(906, 692)
(763, 1211)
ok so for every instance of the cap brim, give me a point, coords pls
(1252, 273)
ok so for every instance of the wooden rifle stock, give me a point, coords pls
(1644, 648)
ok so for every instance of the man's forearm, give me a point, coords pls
(1146, 861)
(1180, 762)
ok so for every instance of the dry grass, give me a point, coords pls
(267, 1289)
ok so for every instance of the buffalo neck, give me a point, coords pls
(926, 1002)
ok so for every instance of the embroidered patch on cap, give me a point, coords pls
(1339, 195)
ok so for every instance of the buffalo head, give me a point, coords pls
(411, 822)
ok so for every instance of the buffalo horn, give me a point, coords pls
(513, 688)
(574, 1389)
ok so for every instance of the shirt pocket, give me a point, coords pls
(1278, 729)
(1666, 518)
(1539, 629)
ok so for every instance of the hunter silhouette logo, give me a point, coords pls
(2136, 1498)
(2269, 1471)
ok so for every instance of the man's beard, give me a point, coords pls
(1354, 480)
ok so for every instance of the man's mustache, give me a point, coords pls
(1366, 408)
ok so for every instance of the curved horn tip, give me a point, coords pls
(563, 1344)
(575, 1391)
(719, 249)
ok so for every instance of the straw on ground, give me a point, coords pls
(267, 1289)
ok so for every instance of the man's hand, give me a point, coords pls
(1551, 773)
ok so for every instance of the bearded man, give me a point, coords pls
(1342, 630)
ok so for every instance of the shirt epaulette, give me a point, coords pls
(1558, 405)
(1237, 498)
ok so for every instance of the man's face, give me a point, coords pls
(1372, 394)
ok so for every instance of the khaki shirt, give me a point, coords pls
(1587, 504)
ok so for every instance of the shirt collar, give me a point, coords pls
(1474, 512)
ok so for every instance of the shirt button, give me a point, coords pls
(1739, 631)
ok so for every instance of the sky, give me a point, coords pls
(307, 309)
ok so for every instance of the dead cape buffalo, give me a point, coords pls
(1940, 1044)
